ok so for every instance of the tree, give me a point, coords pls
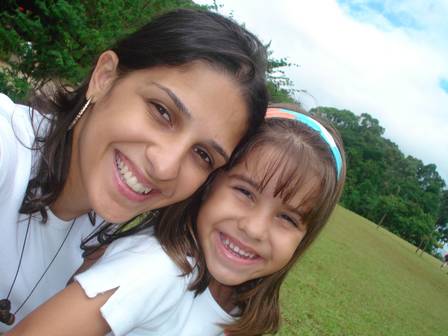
(280, 87)
(442, 220)
(44, 40)
(385, 186)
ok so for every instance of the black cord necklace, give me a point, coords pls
(5, 304)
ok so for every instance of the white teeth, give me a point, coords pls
(130, 179)
(237, 249)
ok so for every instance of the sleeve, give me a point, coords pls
(7, 141)
(207, 316)
(147, 281)
(16, 136)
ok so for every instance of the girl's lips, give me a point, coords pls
(124, 188)
(233, 256)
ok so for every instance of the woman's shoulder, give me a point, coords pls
(16, 139)
(8, 108)
(6, 105)
(23, 120)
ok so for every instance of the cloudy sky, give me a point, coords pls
(388, 58)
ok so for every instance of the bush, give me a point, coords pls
(13, 86)
(44, 40)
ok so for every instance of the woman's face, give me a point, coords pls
(246, 232)
(153, 136)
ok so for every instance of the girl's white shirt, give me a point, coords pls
(152, 298)
(16, 161)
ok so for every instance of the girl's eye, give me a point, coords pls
(244, 192)
(290, 220)
(204, 156)
(163, 112)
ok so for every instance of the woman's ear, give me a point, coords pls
(103, 75)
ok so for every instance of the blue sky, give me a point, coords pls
(387, 58)
(443, 83)
(395, 17)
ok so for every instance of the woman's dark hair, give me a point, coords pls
(173, 39)
(301, 154)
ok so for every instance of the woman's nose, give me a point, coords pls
(165, 162)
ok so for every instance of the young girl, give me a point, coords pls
(240, 235)
(160, 111)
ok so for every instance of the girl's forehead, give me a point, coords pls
(259, 162)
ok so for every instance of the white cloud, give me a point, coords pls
(373, 66)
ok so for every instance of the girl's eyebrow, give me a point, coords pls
(246, 179)
(184, 110)
(298, 211)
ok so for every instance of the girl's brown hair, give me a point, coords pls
(301, 153)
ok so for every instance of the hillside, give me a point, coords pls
(360, 280)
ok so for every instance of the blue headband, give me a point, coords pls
(313, 124)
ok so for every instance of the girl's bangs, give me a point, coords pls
(291, 167)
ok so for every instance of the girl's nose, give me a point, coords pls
(255, 225)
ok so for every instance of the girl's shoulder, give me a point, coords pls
(149, 286)
(135, 263)
(139, 254)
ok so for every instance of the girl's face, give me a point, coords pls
(246, 233)
(153, 136)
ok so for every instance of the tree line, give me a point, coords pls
(396, 191)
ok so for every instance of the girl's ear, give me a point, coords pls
(103, 75)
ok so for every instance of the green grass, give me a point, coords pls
(360, 280)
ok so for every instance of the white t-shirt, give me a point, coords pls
(16, 139)
(152, 298)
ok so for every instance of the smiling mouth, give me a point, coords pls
(129, 179)
(236, 249)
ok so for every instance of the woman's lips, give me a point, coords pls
(130, 182)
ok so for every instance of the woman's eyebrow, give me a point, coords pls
(176, 100)
(219, 149)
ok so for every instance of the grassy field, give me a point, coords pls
(360, 280)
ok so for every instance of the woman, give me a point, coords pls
(160, 111)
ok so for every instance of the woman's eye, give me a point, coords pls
(204, 156)
(162, 111)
